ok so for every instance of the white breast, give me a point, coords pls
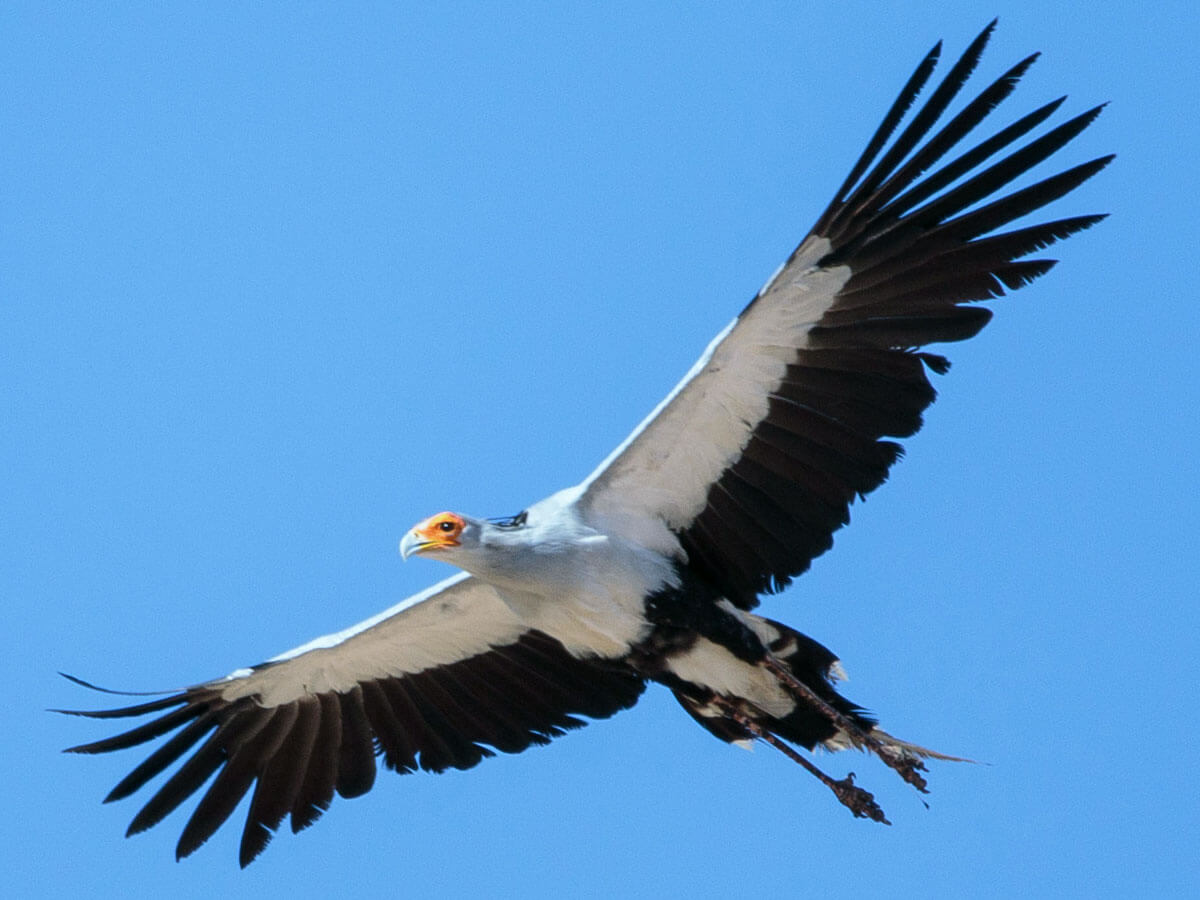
(579, 584)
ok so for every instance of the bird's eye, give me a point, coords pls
(446, 526)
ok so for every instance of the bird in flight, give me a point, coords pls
(649, 569)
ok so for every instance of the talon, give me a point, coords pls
(907, 766)
(859, 801)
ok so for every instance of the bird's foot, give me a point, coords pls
(859, 801)
(908, 766)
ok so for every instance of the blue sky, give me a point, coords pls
(278, 283)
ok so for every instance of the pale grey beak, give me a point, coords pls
(410, 544)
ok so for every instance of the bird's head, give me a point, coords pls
(442, 535)
(480, 546)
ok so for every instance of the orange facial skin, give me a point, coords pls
(440, 531)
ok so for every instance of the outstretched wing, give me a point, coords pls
(430, 684)
(755, 457)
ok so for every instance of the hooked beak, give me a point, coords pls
(412, 543)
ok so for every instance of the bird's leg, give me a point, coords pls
(858, 801)
(906, 765)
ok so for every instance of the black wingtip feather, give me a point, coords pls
(925, 118)
(124, 712)
(936, 146)
(143, 733)
(316, 789)
(908, 94)
(952, 171)
(93, 687)
(259, 738)
(164, 756)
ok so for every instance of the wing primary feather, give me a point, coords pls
(849, 246)
(279, 785)
(942, 178)
(898, 226)
(1002, 173)
(189, 777)
(948, 323)
(1025, 201)
(399, 752)
(900, 106)
(921, 123)
(903, 237)
(271, 799)
(356, 755)
(316, 788)
(435, 754)
(945, 140)
(143, 733)
(164, 756)
(930, 262)
(245, 753)
(124, 712)
(91, 687)
(1016, 275)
